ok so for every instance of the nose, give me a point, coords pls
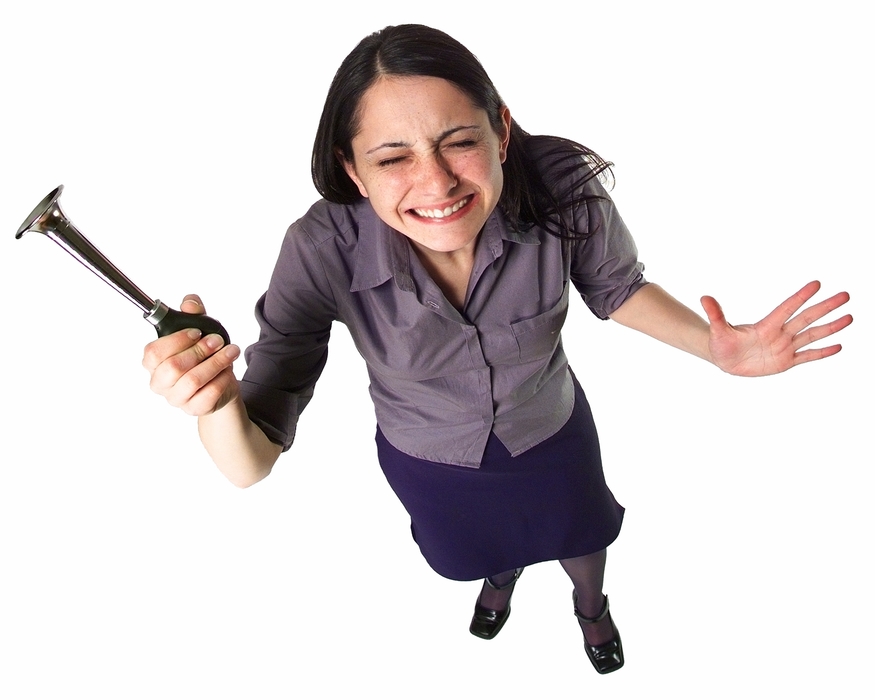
(435, 175)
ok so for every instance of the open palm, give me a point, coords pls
(776, 343)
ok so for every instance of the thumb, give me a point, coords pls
(713, 311)
(192, 304)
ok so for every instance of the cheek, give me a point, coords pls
(384, 198)
(492, 176)
(484, 169)
(392, 188)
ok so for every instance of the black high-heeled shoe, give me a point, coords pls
(486, 622)
(605, 657)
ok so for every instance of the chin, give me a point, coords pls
(444, 238)
(446, 244)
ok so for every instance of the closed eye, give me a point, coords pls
(390, 161)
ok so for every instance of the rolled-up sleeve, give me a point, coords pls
(295, 317)
(604, 266)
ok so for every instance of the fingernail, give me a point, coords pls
(214, 341)
(193, 333)
(232, 352)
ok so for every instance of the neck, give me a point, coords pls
(450, 270)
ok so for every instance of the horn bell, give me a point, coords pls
(45, 215)
(49, 219)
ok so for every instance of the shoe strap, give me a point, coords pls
(601, 616)
(516, 574)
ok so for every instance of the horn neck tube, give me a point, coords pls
(49, 219)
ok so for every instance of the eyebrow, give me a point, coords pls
(441, 137)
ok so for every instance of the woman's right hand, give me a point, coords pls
(192, 372)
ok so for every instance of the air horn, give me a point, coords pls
(48, 218)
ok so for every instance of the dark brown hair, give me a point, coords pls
(530, 195)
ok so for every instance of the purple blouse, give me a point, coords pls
(441, 380)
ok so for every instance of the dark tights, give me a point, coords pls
(587, 573)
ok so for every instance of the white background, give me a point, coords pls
(182, 132)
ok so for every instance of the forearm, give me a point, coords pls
(656, 313)
(239, 448)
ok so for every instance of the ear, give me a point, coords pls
(349, 167)
(504, 139)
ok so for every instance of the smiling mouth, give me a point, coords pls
(442, 213)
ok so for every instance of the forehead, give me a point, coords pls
(395, 103)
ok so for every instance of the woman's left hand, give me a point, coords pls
(776, 343)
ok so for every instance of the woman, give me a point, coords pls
(445, 243)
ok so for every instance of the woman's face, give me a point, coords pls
(428, 160)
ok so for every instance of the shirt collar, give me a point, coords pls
(383, 253)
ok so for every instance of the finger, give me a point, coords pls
(815, 354)
(160, 350)
(168, 373)
(207, 399)
(812, 335)
(192, 304)
(816, 312)
(186, 387)
(792, 304)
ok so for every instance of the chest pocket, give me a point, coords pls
(538, 337)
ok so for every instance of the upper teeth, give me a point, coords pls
(441, 213)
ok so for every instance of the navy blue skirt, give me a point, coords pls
(550, 502)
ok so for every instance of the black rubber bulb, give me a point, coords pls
(167, 321)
